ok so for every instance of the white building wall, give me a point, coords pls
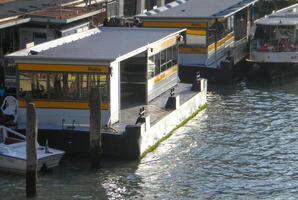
(115, 92)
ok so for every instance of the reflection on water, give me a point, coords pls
(244, 146)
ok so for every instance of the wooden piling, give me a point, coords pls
(95, 126)
(31, 139)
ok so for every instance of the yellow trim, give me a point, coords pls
(192, 50)
(168, 43)
(220, 43)
(165, 74)
(62, 68)
(61, 104)
(175, 24)
(196, 32)
(211, 47)
(162, 45)
(197, 50)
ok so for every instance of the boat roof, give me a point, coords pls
(96, 46)
(14, 12)
(285, 16)
(194, 9)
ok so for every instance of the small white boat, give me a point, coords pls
(13, 153)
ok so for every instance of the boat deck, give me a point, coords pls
(156, 109)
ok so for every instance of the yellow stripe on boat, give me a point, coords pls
(175, 24)
(63, 68)
(61, 104)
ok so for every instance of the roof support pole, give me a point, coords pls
(140, 7)
(120, 8)
(160, 3)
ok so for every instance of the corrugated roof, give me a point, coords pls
(197, 9)
(106, 43)
(286, 16)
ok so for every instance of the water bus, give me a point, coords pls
(134, 69)
(274, 41)
(217, 33)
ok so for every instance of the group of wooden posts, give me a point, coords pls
(31, 138)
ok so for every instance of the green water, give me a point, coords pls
(244, 146)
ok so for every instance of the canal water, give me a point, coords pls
(244, 146)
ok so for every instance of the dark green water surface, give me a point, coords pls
(244, 146)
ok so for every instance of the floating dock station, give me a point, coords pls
(135, 68)
(274, 44)
(217, 33)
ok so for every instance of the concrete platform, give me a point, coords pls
(156, 109)
(127, 140)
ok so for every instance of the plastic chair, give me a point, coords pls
(10, 107)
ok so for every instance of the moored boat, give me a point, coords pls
(13, 153)
(274, 43)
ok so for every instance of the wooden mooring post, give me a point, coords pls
(95, 126)
(31, 140)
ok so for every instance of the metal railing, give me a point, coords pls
(5, 130)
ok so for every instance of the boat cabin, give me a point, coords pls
(131, 66)
(275, 37)
(216, 29)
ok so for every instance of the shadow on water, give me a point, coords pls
(74, 179)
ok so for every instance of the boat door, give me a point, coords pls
(133, 81)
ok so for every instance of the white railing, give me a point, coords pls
(4, 130)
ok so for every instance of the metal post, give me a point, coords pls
(121, 8)
(31, 138)
(140, 6)
(95, 126)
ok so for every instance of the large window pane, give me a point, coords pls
(56, 86)
(151, 67)
(175, 55)
(70, 86)
(39, 86)
(25, 83)
(169, 57)
(63, 86)
(93, 80)
(35, 83)
(157, 64)
(163, 60)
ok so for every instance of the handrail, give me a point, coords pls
(13, 132)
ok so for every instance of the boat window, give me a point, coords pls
(157, 63)
(151, 67)
(39, 86)
(91, 80)
(63, 86)
(35, 83)
(274, 38)
(162, 61)
(25, 83)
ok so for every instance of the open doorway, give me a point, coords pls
(133, 88)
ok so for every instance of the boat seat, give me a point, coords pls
(10, 107)
(11, 140)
